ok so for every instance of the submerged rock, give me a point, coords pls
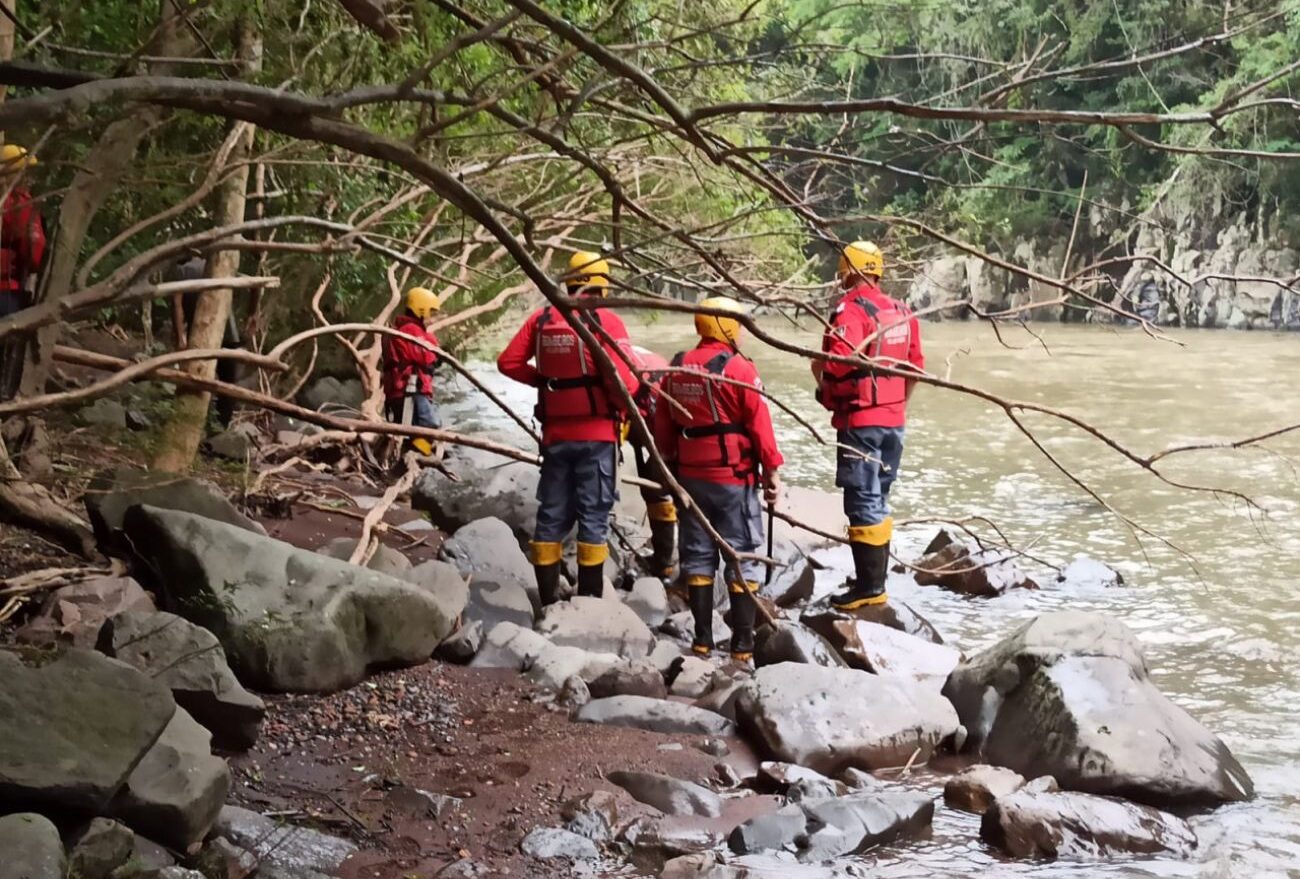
(1075, 825)
(831, 718)
(672, 796)
(74, 727)
(655, 715)
(975, 788)
(1068, 695)
(188, 660)
(967, 571)
(1088, 573)
(841, 826)
(289, 619)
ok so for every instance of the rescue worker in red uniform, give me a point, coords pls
(581, 413)
(22, 247)
(720, 444)
(868, 411)
(408, 367)
(660, 509)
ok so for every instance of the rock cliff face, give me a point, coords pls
(1227, 269)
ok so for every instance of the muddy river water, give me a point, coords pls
(1214, 595)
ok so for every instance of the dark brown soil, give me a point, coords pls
(351, 763)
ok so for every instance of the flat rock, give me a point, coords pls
(289, 619)
(386, 560)
(886, 651)
(444, 582)
(655, 715)
(1082, 826)
(787, 641)
(829, 719)
(487, 549)
(672, 796)
(602, 625)
(1068, 695)
(860, 821)
(693, 678)
(976, 787)
(96, 718)
(548, 843)
(32, 848)
(482, 484)
(648, 600)
(282, 846)
(491, 602)
(99, 849)
(176, 791)
(630, 678)
(777, 830)
(111, 493)
(190, 662)
(75, 613)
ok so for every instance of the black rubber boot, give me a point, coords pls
(591, 580)
(871, 564)
(548, 583)
(701, 601)
(743, 613)
(663, 540)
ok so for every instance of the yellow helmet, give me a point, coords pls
(716, 327)
(588, 269)
(861, 258)
(14, 158)
(422, 302)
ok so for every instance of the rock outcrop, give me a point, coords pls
(31, 848)
(190, 662)
(602, 625)
(1068, 695)
(75, 613)
(829, 719)
(74, 728)
(289, 619)
(482, 485)
(1081, 826)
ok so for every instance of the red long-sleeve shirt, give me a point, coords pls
(22, 239)
(516, 362)
(741, 404)
(402, 357)
(850, 326)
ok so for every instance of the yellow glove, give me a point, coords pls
(624, 430)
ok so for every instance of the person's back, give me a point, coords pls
(22, 231)
(408, 364)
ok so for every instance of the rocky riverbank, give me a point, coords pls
(240, 701)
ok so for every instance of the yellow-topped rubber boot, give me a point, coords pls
(663, 539)
(744, 611)
(700, 597)
(546, 565)
(870, 546)
(591, 568)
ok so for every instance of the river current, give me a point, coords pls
(1213, 595)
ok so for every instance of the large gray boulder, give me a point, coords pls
(284, 848)
(289, 619)
(830, 719)
(1068, 695)
(75, 613)
(1081, 826)
(839, 826)
(672, 796)
(655, 715)
(604, 625)
(483, 484)
(31, 848)
(189, 660)
(491, 602)
(333, 393)
(487, 549)
(176, 791)
(113, 492)
(74, 727)
(442, 581)
(649, 600)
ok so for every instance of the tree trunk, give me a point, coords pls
(183, 432)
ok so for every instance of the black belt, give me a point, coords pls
(713, 430)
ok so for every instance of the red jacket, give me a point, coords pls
(22, 239)
(856, 396)
(650, 370)
(404, 358)
(575, 400)
(725, 435)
